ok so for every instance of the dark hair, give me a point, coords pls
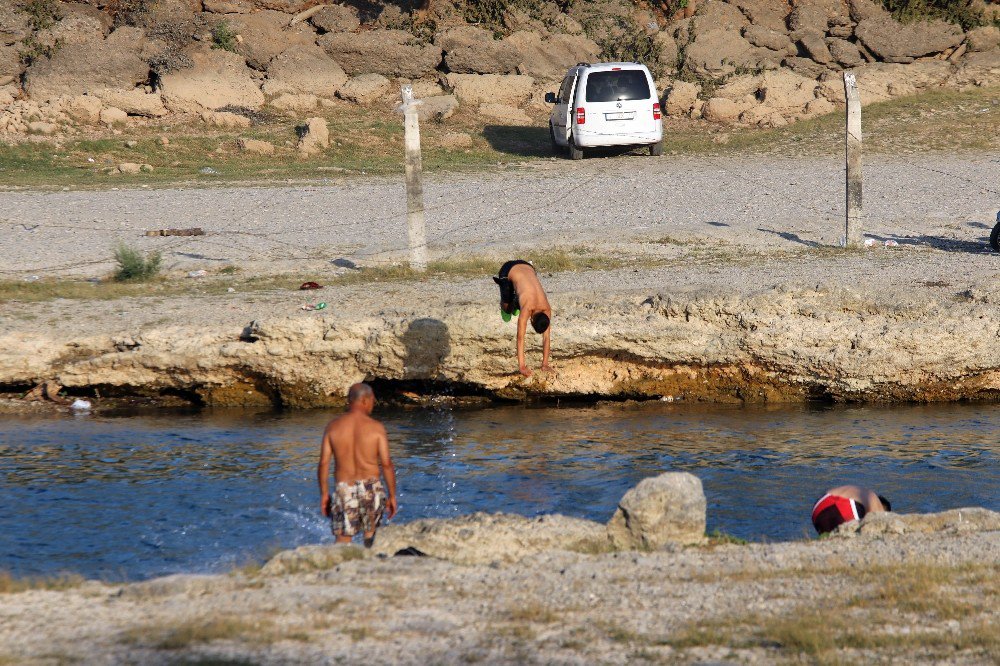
(885, 503)
(827, 520)
(540, 322)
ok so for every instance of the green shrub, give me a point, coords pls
(965, 13)
(129, 12)
(631, 43)
(42, 14)
(133, 266)
(224, 37)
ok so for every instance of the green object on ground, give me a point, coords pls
(507, 315)
(320, 306)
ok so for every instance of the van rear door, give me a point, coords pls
(619, 102)
(564, 107)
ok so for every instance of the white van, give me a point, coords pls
(606, 104)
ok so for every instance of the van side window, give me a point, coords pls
(613, 86)
(565, 89)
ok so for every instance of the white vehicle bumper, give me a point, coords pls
(585, 139)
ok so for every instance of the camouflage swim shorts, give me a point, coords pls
(357, 507)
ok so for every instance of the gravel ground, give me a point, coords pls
(768, 204)
(554, 607)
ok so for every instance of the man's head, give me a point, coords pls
(885, 503)
(540, 322)
(360, 396)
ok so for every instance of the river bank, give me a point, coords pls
(919, 589)
(700, 296)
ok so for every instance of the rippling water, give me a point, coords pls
(142, 495)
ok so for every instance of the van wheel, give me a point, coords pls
(995, 235)
(656, 149)
(575, 152)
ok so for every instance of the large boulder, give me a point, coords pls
(721, 52)
(14, 24)
(713, 16)
(10, 64)
(313, 557)
(304, 70)
(844, 52)
(79, 23)
(769, 14)
(808, 16)
(265, 34)
(720, 110)
(682, 98)
(895, 42)
(786, 92)
(135, 102)
(986, 38)
(336, 18)
(769, 39)
(664, 509)
(472, 50)
(74, 69)
(217, 78)
(364, 89)
(391, 53)
(437, 107)
(483, 538)
(548, 58)
(814, 44)
(510, 90)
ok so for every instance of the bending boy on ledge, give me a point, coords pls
(521, 294)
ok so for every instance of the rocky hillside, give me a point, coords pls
(67, 66)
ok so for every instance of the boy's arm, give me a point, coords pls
(389, 472)
(546, 339)
(323, 476)
(522, 328)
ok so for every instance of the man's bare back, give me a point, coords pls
(359, 448)
(530, 298)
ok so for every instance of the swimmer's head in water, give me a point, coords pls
(540, 322)
(885, 503)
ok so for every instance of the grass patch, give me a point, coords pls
(717, 538)
(546, 261)
(11, 585)
(200, 631)
(536, 613)
(133, 266)
(918, 598)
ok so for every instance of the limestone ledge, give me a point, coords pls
(783, 344)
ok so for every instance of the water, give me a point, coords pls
(143, 495)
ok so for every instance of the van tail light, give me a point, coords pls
(656, 110)
(581, 115)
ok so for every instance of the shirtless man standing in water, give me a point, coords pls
(521, 294)
(359, 446)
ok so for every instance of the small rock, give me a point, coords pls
(314, 136)
(255, 147)
(164, 141)
(146, 168)
(129, 167)
(39, 127)
(113, 116)
(225, 119)
(131, 143)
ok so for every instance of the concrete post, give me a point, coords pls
(414, 181)
(853, 233)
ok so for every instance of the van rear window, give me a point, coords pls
(613, 86)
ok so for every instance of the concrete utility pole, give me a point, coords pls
(414, 181)
(853, 235)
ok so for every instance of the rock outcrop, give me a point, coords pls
(954, 521)
(199, 56)
(669, 508)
